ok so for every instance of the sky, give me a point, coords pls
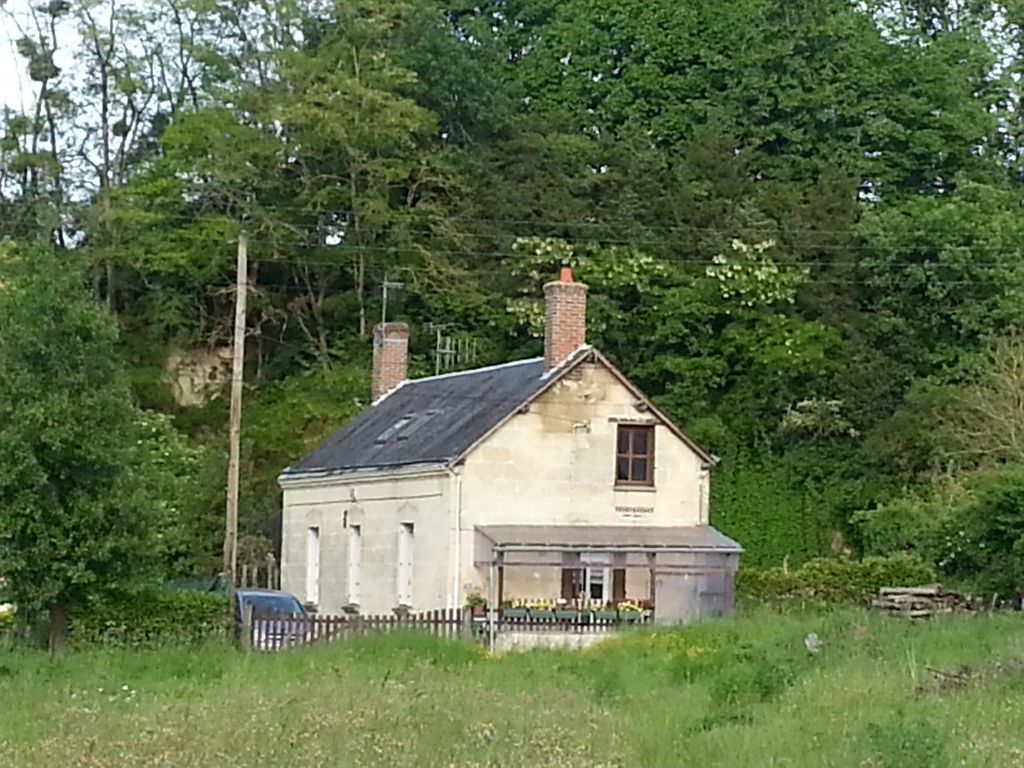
(12, 85)
(16, 90)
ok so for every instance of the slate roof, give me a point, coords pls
(429, 421)
(612, 537)
(434, 421)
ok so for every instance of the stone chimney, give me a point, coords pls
(565, 318)
(390, 357)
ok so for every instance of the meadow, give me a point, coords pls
(738, 692)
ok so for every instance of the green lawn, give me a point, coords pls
(742, 692)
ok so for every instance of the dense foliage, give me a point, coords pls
(800, 221)
(92, 488)
(152, 618)
(833, 582)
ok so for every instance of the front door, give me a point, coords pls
(598, 584)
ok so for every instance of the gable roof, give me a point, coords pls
(437, 420)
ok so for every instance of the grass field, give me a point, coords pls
(741, 692)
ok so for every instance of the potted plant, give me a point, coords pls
(565, 611)
(513, 610)
(567, 614)
(629, 611)
(541, 609)
(476, 603)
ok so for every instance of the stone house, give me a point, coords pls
(546, 478)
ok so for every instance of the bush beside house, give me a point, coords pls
(830, 581)
(153, 618)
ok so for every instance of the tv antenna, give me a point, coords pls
(385, 287)
(450, 350)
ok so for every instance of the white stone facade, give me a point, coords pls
(553, 464)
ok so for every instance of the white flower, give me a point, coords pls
(812, 643)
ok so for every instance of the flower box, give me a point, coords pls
(630, 616)
(567, 614)
(542, 613)
(609, 614)
(513, 613)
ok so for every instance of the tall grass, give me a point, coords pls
(739, 692)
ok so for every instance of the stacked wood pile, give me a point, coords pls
(943, 680)
(924, 601)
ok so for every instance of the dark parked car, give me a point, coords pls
(279, 620)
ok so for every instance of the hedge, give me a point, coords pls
(825, 580)
(152, 618)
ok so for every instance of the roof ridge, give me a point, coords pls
(469, 371)
(568, 361)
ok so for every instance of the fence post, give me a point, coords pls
(273, 578)
(247, 627)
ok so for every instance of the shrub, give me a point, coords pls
(972, 529)
(153, 618)
(834, 581)
(983, 544)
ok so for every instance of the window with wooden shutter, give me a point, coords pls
(634, 455)
(572, 583)
(567, 582)
(618, 585)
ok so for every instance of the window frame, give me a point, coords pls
(406, 563)
(630, 456)
(355, 564)
(314, 556)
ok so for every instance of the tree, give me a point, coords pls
(77, 516)
(985, 418)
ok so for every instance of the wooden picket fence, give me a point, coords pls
(272, 633)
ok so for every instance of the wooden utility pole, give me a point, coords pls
(235, 427)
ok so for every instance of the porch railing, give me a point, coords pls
(576, 622)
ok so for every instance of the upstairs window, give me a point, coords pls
(634, 456)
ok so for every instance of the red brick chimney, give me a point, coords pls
(565, 318)
(390, 357)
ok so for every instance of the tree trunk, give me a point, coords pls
(360, 293)
(58, 628)
(110, 286)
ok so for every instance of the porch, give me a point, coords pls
(664, 575)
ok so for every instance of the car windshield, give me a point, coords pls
(264, 604)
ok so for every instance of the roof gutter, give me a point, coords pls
(615, 548)
(314, 479)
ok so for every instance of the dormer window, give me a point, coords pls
(404, 428)
(395, 429)
(634, 455)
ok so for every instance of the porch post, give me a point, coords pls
(651, 562)
(501, 579)
(492, 595)
(730, 590)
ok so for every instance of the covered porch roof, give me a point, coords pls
(497, 542)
